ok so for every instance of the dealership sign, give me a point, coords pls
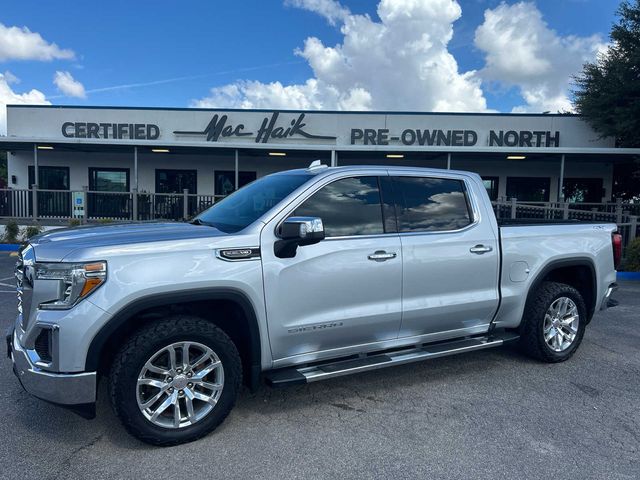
(132, 131)
(455, 138)
(270, 129)
(278, 127)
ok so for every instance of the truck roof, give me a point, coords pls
(324, 169)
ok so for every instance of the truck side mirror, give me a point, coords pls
(296, 232)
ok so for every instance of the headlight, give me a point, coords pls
(77, 281)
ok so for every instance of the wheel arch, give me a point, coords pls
(146, 309)
(579, 272)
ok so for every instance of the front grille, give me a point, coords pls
(43, 345)
(25, 273)
(19, 272)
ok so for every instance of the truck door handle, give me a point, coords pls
(480, 249)
(381, 256)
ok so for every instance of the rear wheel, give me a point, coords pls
(554, 322)
(175, 380)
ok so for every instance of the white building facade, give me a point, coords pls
(541, 158)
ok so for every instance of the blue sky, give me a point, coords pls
(212, 44)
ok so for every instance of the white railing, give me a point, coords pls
(38, 205)
(620, 215)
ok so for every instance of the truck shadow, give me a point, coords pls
(296, 403)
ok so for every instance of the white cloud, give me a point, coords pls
(521, 50)
(68, 85)
(329, 9)
(23, 44)
(8, 96)
(398, 63)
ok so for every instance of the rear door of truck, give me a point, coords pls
(450, 254)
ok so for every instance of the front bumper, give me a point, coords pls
(67, 389)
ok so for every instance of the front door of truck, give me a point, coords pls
(343, 291)
(450, 258)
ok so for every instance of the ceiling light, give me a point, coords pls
(516, 157)
(395, 155)
(277, 154)
(160, 150)
(45, 147)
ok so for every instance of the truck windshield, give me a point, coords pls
(246, 205)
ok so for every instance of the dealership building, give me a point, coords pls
(211, 152)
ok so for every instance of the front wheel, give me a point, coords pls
(553, 323)
(175, 380)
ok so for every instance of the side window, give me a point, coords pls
(431, 204)
(350, 206)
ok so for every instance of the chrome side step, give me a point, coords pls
(314, 373)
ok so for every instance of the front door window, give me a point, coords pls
(175, 181)
(529, 189)
(109, 179)
(225, 181)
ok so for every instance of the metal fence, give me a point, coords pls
(117, 206)
(58, 205)
(628, 224)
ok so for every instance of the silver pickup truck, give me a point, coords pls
(300, 276)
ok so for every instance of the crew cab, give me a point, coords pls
(300, 276)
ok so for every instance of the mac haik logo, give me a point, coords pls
(219, 127)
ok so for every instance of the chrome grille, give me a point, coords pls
(19, 272)
(24, 273)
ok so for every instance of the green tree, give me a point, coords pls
(608, 90)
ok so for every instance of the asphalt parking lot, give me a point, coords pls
(490, 414)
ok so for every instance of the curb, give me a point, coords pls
(628, 276)
(9, 247)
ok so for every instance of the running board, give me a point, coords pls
(307, 374)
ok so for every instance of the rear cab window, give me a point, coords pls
(430, 204)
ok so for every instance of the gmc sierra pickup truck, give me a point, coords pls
(300, 276)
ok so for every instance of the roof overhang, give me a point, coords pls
(28, 143)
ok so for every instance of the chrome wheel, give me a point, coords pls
(561, 324)
(180, 384)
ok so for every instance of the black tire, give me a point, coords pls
(141, 346)
(532, 340)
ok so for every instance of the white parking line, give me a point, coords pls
(8, 278)
(7, 285)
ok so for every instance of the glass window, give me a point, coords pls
(109, 179)
(431, 204)
(50, 178)
(491, 184)
(350, 206)
(175, 181)
(246, 205)
(529, 189)
(225, 181)
(582, 190)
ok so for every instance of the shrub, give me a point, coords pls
(11, 232)
(105, 220)
(74, 222)
(632, 262)
(32, 231)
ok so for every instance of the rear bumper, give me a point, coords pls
(65, 389)
(607, 300)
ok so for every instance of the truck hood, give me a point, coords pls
(54, 245)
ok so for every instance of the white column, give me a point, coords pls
(334, 158)
(449, 161)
